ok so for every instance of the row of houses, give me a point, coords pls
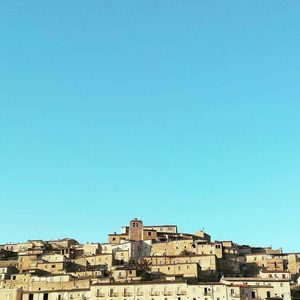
(227, 289)
(145, 262)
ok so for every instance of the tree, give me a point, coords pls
(185, 252)
(143, 269)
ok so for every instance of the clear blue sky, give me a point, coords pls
(182, 112)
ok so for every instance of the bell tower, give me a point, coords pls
(136, 230)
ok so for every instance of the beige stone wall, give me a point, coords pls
(275, 274)
(259, 259)
(210, 248)
(201, 234)
(16, 281)
(274, 264)
(172, 247)
(106, 248)
(280, 288)
(19, 247)
(259, 292)
(206, 262)
(30, 285)
(271, 262)
(26, 262)
(52, 267)
(10, 294)
(117, 238)
(185, 269)
(176, 248)
(149, 234)
(122, 255)
(54, 257)
(294, 262)
(120, 274)
(163, 228)
(165, 290)
(91, 249)
(139, 291)
(80, 294)
(95, 260)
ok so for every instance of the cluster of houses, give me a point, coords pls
(146, 262)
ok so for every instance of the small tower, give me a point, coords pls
(136, 230)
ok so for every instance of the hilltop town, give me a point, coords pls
(146, 262)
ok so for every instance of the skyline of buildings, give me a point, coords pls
(155, 262)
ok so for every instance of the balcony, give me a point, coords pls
(181, 293)
(167, 293)
(100, 295)
(154, 293)
(127, 294)
(113, 295)
(207, 293)
(140, 294)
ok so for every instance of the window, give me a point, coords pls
(30, 297)
(149, 233)
(231, 291)
(253, 294)
(268, 294)
(45, 296)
